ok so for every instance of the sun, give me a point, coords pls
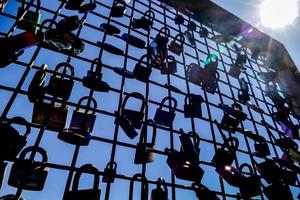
(278, 13)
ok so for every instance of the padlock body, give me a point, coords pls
(83, 121)
(109, 175)
(126, 126)
(75, 136)
(234, 71)
(88, 194)
(135, 117)
(169, 67)
(164, 118)
(250, 187)
(176, 48)
(142, 73)
(60, 87)
(159, 194)
(93, 80)
(192, 110)
(143, 153)
(229, 123)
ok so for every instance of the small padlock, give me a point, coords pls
(27, 174)
(231, 175)
(144, 186)
(61, 84)
(203, 32)
(179, 19)
(194, 73)
(233, 115)
(12, 141)
(126, 125)
(142, 72)
(36, 87)
(193, 108)
(3, 165)
(161, 190)
(278, 191)
(110, 48)
(109, 29)
(192, 26)
(243, 93)
(190, 148)
(69, 24)
(110, 172)
(87, 194)
(238, 66)
(210, 76)
(144, 150)
(133, 41)
(267, 169)
(53, 116)
(82, 124)
(134, 116)
(271, 91)
(10, 197)
(118, 8)
(225, 157)
(80, 5)
(250, 186)
(290, 177)
(164, 117)
(31, 19)
(190, 38)
(176, 47)
(93, 79)
(261, 149)
(145, 22)
(170, 66)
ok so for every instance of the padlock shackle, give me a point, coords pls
(172, 99)
(88, 108)
(231, 143)
(165, 31)
(117, 2)
(65, 66)
(161, 182)
(145, 186)
(144, 132)
(112, 165)
(87, 168)
(171, 58)
(180, 37)
(196, 138)
(98, 64)
(34, 149)
(137, 96)
(246, 165)
(150, 14)
(149, 65)
(20, 121)
(38, 4)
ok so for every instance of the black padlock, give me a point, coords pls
(225, 157)
(179, 19)
(133, 41)
(93, 79)
(134, 116)
(193, 108)
(54, 116)
(191, 26)
(203, 193)
(142, 70)
(231, 175)
(28, 174)
(261, 148)
(164, 117)
(161, 190)
(110, 48)
(3, 165)
(243, 93)
(238, 66)
(250, 186)
(190, 148)
(125, 125)
(87, 194)
(278, 191)
(144, 150)
(124, 72)
(10, 197)
(109, 29)
(118, 8)
(182, 167)
(209, 76)
(110, 172)
(31, 19)
(189, 36)
(82, 124)
(177, 47)
(170, 66)
(12, 141)
(36, 87)
(233, 115)
(61, 84)
(60, 40)
(267, 169)
(144, 186)
(203, 32)
(69, 24)
(271, 91)
(145, 22)
(195, 72)
(80, 5)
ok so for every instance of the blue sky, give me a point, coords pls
(98, 153)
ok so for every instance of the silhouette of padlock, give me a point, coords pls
(161, 190)
(176, 46)
(193, 108)
(164, 117)
(110, 172)
(80, 5)
(194, 73)
(170, 66)
(144, 186)
(210, 76)
(118, 8)
(36, 87)
(250, 186)
(31, 19)
(143, 71)
(190, 148)
(243, 93)
(145, 22)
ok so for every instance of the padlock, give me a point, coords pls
(110, 48)
(161, 190)
(176, 47)
(12, 141)
(31, 19)
(36, 87)
(190, 148)
(261, 148)
(93, 79)
(170, 66)
(142, 71)
(238, 66)
(183, 168)
(145, 22)
(118, 8)
(3, 165)
(87, 194)
(191, 26)
(110, 172)
(225, 157)
(124, 72)
(164, 117)
(285, 143)
(144, 150)
(82, 124)
(53, 116)
(61, 84)
(254, 107)
(10, 197)
(203, 193)
(189, 36)
(193, 108)
(250, 186)
(28, 174)
(69, 24)
(203, 32)
(271, 91)
(144, 186)
(231, 175)
(3, 3)
(133, 41)
(109, 29)
(126, 125)
(195, 72)
(278, 191)
(135, 117)
(267, 169)
(233, 115)
(210, 76)
(179, 19)
(60, 40)
(243, 93)
(80, 5)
